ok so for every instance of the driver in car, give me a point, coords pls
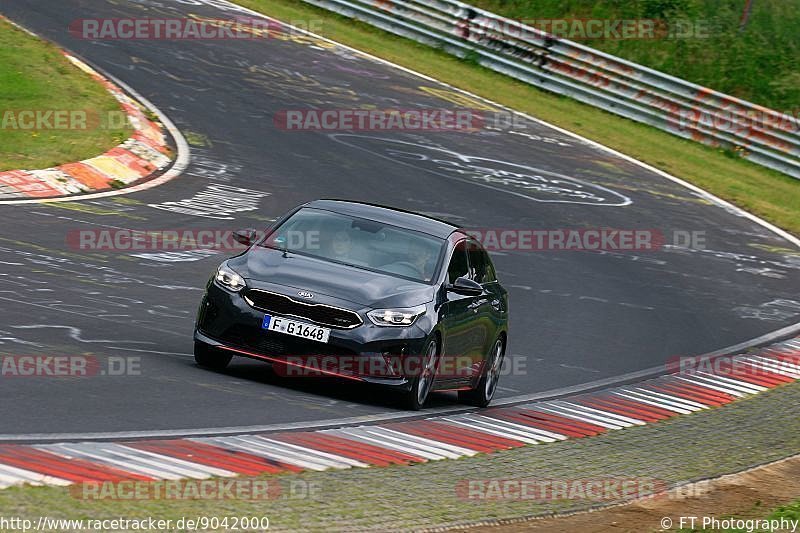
(422, 259)
(343, 249)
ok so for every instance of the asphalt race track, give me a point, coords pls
(576, 316)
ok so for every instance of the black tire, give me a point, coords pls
(208, 357)
(482, 394)
(421, 385)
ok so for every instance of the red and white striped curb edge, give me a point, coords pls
(403, 443)
(144, 153)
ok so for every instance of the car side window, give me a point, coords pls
(478, 263)
(491, 273)
(459, 266)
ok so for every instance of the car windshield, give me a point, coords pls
(360, 243)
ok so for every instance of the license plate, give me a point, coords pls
(295, 328)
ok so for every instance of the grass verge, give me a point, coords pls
(768, 194)
(789, 512)
(36, 77)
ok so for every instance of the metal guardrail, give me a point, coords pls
(762, 135)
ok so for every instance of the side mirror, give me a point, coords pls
(466, 287)
(245, 236)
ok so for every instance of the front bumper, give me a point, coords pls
(367, 353)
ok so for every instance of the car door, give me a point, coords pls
(462, 342)
(487, 308)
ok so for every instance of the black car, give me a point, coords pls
(361, 292)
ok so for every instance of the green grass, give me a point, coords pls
(790, 512)
(34, 76)
(766, 193)
(760, 63)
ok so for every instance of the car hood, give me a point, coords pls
(265, 266)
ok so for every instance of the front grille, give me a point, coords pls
(276, 344)
(321, 314)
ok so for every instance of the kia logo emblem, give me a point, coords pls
(305, 294)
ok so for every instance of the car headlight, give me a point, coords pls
(227, 278)
(396, 317)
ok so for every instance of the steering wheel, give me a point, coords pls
(405, 268)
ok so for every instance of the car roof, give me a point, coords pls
(388, 215)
